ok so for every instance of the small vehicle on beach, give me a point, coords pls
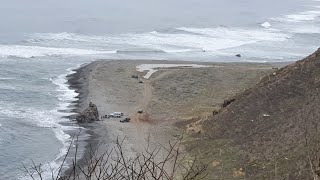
(116, 115)
(125, 120)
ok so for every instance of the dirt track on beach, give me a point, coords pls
(143, 104)
(112, 89)
(170, 99)
(169, 95)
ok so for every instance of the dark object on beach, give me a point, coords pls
(215, 112)
(238, 55)
(135, 76)
(89, 115)
(140, 111)
(105, 116)
(140, 81)
(227, 102)
(125, 120)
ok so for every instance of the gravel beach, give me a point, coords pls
(170, 95)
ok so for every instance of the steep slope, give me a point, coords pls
(271, 130)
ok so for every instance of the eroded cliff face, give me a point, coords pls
(89, 115)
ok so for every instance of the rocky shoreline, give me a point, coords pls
(78, 82)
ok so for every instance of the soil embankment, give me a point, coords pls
(270, 131)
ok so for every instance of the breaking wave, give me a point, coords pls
(183, 39)
(300, 17)
(38, 51)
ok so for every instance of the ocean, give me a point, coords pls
(41, 42)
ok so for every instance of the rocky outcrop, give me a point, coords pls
(89, 115)
(227, 102)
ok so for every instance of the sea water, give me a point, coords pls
(43, 41)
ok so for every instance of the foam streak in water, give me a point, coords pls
(38, 51)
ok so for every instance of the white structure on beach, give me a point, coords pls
(152, 68)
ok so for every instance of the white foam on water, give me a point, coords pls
(238, 34)
(56, 163)
(208, 39)
(40, 117)
(53, 165)
(64, 36)
(7, 87)
(182, 50)
(38, 51)
(187, 40)
(1, 140)
(152, 68)
(66, 95)
(266, 25)
(299, 17)
(3, 78)
(301, 22)
(305, 29)
(48, 118)
(304, 16)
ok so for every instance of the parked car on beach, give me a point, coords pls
(116, 115)
(125, 120)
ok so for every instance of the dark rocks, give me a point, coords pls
(89, 115)
(215, 112)
(135, 76)
(238, 55)
(227, 102)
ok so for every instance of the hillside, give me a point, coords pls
(270, 131)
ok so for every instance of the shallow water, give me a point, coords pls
(39, 47)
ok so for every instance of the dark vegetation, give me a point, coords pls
(114, 164)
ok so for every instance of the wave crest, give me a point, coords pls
(38, 51)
